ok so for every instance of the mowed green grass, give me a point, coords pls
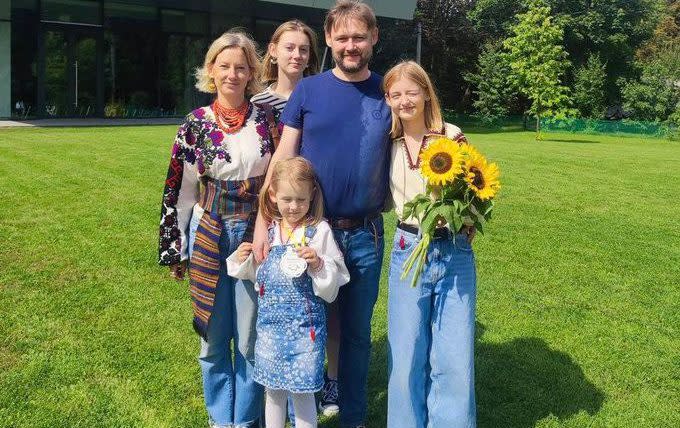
(578, 279)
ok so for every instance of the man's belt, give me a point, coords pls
(349, 223)
(439, 232)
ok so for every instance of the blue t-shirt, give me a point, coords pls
(345, 135)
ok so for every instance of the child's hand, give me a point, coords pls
(310, 256)
(243, 251)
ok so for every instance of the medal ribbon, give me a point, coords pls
(294, 243)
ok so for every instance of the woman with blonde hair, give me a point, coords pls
(430, 326)
(219, 158)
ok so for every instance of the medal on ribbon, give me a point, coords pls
(292, 265)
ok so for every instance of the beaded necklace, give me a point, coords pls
(413, 166)
(230, 120)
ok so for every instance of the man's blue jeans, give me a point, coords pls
(231, 395)
(431, 331)
(363, 250)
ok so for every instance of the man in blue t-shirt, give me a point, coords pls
(339, 121)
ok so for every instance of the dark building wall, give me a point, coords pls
(135, 58)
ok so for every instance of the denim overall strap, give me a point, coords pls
(309, 232)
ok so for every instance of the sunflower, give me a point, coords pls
(441, 161)
(481, 176)
(469, 150)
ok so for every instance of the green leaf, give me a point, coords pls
(480, 227)
(408, 211)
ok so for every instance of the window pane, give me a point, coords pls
(75, 11)
(130, 73)
(179, 21)
(5, 11)
(56, 77)
(24, 76)
(181, 57)
(129, 12)
(29, 5)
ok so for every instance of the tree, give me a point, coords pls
(494, 93)
(667, 32)
(589, 81)
(493, 18)
(538, 62)
(656, 95)
(450, 47)
(614, 29)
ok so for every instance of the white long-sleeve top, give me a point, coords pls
(326, 281)
(201, 148)
(405, 179)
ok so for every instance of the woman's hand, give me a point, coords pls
(178, 270)
(309, 255)
(470, 232)
(243, 251)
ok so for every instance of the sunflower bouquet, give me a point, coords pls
(461, 185)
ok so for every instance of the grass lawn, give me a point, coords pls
(578, 285)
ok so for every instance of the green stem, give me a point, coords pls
(406, 268)
(421, 260)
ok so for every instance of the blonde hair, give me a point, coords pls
(344, 10)
(270, 71)
(414, 72)
(234, 38)
(295, 171)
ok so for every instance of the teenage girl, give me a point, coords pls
(431, 326)
(291, 55)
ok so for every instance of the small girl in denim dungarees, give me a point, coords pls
(304, 268)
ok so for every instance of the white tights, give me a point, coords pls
(275, 409)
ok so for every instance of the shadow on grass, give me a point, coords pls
(377, 388)
(518, 383)
(523, 381)
(575, 140)
(479, 129)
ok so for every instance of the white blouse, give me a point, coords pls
(326, 281)
(407, 183)
(201, 148)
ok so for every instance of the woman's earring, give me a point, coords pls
(273, 60)
(211, 85)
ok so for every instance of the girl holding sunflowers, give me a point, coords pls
(430, 326)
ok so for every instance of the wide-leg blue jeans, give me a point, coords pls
(232, 397)
(431, 329)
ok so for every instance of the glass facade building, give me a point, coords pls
(135, 58)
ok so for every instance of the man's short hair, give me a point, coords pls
(344, 10)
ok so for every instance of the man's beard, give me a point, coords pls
(365, 58)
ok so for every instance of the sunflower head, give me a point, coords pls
(469, 150)
(481, 176)
(441, 161)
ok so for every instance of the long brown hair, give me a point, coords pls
(270, 71)
(296, 171)
(433, 112)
